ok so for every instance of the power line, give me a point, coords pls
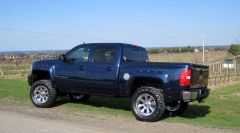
(37, 32)
(51, 34)
(31, 17)
(83, 9)
(69, 6)
(45, 20)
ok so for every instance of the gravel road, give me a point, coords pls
(25, 119)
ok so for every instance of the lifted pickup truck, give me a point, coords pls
(119, 70)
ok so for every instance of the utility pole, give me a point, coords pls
(203, 52)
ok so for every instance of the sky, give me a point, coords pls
(27, 25)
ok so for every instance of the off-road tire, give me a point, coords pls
(52, 93)
(159, 100)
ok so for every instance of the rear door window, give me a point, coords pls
(104, 55)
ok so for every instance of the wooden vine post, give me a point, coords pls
(1, 72)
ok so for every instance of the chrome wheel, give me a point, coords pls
(173, 106)
(145, 104)
(40, 95)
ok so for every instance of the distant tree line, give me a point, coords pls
(171, 50)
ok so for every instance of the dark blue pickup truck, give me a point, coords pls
(119, 70)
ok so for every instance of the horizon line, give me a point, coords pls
(48, 50)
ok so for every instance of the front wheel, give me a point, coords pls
(177, 107)
(78, 97)
(43, 94)
(148, 104)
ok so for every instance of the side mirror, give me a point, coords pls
(62, 57)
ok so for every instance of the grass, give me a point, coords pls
(14, 89)
(220, 110)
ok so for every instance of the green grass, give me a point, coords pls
(14, 89)
(220, 110)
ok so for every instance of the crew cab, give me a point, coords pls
(119, 70)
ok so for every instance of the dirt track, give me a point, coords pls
(25, 119)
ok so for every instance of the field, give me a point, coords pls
(220, 110)
(192, 57)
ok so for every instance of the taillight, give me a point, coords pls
(185, 78)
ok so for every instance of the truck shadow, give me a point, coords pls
(95, 101)
(193, 111)
(196, 111)
(112, 103)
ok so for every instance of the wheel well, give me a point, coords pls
(153, 82)
(40, 74)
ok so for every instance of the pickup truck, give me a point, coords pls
(119, 70)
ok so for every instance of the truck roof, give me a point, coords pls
(122, 44)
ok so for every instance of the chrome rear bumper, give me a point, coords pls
(196, 94)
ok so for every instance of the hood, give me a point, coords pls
(45, 63)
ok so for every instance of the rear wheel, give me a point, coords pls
(148, 104)
(78, 97)
(177, 107)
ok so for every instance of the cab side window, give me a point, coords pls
(130, 54)
(143, 55)
(104, 55)
(80, 54)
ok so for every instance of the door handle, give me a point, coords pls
(81, 68)
(109, 69)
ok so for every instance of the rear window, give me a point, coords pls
(132, 54)
(143, 55)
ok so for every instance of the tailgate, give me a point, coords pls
(199, 78)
